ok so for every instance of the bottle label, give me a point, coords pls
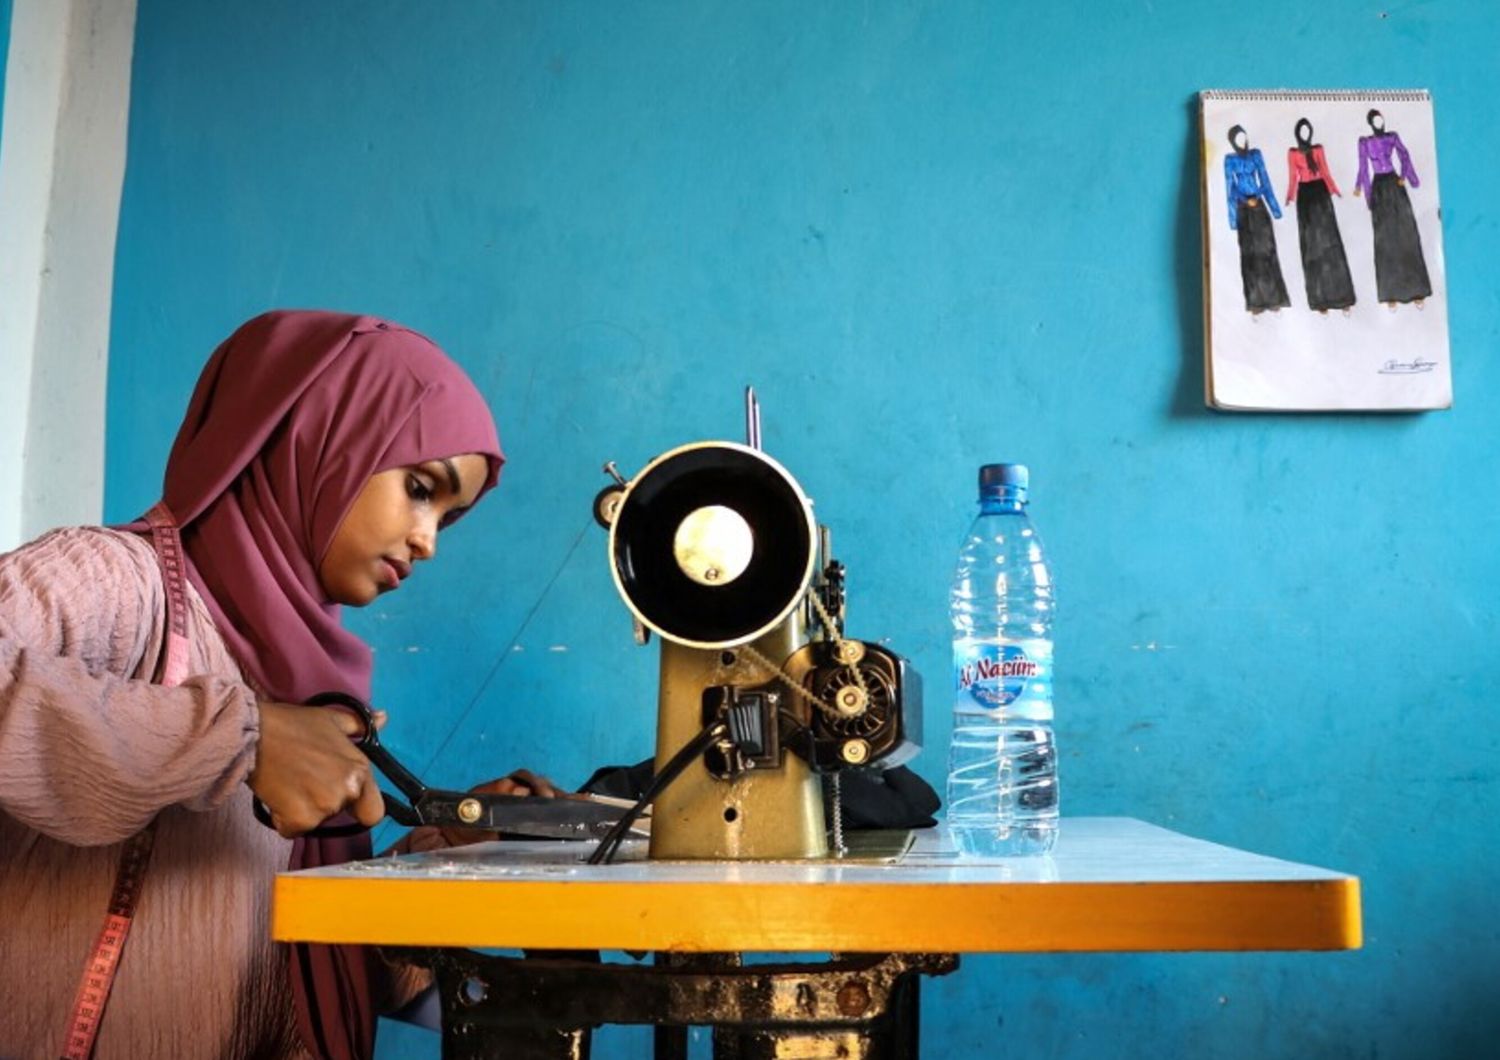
(990, 676)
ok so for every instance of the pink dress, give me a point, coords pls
(89, 753)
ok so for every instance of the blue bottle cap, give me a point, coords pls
(994, 476)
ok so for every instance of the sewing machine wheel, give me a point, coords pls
(882, 733)
(607, 505)
(828, 682)
(713, 544)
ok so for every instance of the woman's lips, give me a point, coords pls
(392, 573)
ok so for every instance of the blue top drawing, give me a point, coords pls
(1245, 178)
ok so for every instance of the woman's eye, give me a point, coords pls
(417, 490)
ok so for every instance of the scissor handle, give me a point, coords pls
(356, 706)
(368, 742)
(405, 781)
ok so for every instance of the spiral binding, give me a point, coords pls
(1378, 95)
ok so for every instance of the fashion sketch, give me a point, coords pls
(1325, 267)
(1252, 205)
(1400, 271)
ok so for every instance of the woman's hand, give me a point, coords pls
(518, 782)
(307, 769)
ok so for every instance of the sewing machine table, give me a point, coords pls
(1112, 884)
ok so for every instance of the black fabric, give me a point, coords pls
(1400, 271)
(1325, 268)
(891, 798)
(621, 782)
(1260, 268)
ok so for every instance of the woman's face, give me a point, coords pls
(394, 522)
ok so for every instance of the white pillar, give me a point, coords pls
(62, 164)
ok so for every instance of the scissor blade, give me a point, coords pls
(526, 815)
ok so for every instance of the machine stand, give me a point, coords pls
(543, 1006)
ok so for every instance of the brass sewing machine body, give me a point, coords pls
(713, 547)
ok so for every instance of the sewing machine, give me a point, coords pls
(714, 548)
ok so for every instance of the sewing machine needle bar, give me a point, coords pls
(752, 419)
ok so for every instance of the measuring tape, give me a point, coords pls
(104, 961)
(99, 973)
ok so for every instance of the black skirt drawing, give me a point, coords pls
(1325, 267)
(1260, 269)
(1400, 272)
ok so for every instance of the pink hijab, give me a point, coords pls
(290, 418)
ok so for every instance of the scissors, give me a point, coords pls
(518, 815)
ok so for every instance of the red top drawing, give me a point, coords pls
(1304, 169)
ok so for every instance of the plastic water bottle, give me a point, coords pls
(1002, 763)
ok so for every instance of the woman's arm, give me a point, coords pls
(1230, 193)
(1408, 171)
(88, 755)
(1362, 179)
(1327, 173)
(1263, 181)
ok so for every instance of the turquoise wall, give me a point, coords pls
(5, 11)
(932, 234)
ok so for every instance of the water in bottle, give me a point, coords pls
(1002, 763)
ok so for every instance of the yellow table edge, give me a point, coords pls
(1318, 914)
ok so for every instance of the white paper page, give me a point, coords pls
(1369, 356)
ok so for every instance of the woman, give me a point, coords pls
(1250, 196)
(1400, 270)
(149, 682)
(1325, 267)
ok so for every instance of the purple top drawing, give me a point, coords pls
(1375, 159)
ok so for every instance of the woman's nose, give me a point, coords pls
(423, 540)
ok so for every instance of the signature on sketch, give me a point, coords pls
(1413, 367)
